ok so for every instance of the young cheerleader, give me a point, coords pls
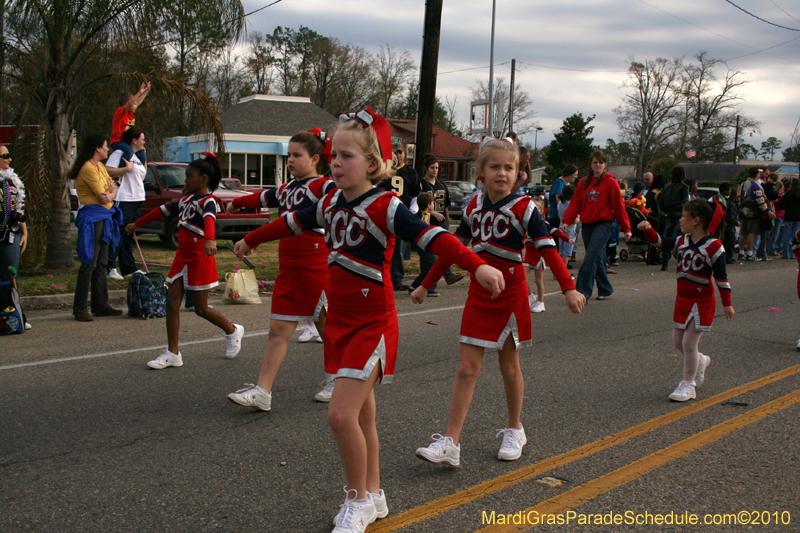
(699, 255)
(300, 288)
(361, 222)
(534, 261)
(565, 249)
(194, 260)
(497, 222)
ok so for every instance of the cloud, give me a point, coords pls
(588, 35)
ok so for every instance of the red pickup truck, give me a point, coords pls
(163, 183)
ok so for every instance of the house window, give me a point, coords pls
(270, 165)
(253, 170)
(237, 167)
(446, 171)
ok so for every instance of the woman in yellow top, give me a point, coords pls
(98, 222)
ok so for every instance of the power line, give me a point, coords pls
(763, 50)
(779, 7)
(221, 24)
(759, 18)
(471, 68)
(572, 69)
(715, 33)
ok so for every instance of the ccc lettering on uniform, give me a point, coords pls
(189, 211)
(292, 197)
(490, 225)
(346, 229)
(692, 261)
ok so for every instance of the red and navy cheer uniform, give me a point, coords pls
(533, 259)
(361, 329)
(697, 262)
(300, 291)
(498, 232)
(196, 216)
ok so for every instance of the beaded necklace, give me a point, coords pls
(7, 210)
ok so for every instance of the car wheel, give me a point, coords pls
(172, 234)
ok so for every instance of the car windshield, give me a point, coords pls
(172, 176)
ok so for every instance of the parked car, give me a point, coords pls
(456, 199)
(706, 192)
(164, 182)
(465, 186)
(232, 184)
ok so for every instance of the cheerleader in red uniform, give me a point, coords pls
(300, 289)
(361, 333)
(194, 261)
(534, 261)
(700, 255)
(497, 222)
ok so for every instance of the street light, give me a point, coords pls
(535, 140)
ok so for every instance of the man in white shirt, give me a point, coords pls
(129, 199)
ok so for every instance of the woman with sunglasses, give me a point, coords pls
(13, 231)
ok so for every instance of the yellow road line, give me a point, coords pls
(592, 489)
(470, 494)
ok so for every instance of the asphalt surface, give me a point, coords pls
(92, 440)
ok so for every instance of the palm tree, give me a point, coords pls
(56, 48)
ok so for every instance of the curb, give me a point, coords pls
(60, 300)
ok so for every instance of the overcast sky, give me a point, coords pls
(593, 38)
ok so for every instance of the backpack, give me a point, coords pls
(12, 320)
(147, 295)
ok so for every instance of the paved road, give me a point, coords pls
(92, 440)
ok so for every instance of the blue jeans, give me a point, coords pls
(595, 239)
(671, 229)
(426, 261)
(776, 237)
(789, 231)
(9, 256)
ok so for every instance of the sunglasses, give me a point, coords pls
(5, 156)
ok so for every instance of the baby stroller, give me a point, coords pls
(638, 245)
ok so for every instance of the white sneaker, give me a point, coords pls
(381, 510)
(113, 274)
(441, 450)
(166, 359)
(531, 300)
(252, 396)
(683, 393)
(310, 334)
(513, 441)
(798, 345)
(327, 391)
(700, 377)
(28, 326)
(132, 273)
(234, 341)
(538, 307)
(354, 516)
(379, 500)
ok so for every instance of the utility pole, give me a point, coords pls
(428, 67)
(491, 75)
(511, 96)
(736, 142)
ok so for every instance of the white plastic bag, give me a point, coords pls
(241, 288)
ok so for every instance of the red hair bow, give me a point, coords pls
(209, 155)
(716, 220)
(322, 136)
(368, 118)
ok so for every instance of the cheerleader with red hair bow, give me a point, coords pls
(700, 256)
(300, 292)
(361, 222)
